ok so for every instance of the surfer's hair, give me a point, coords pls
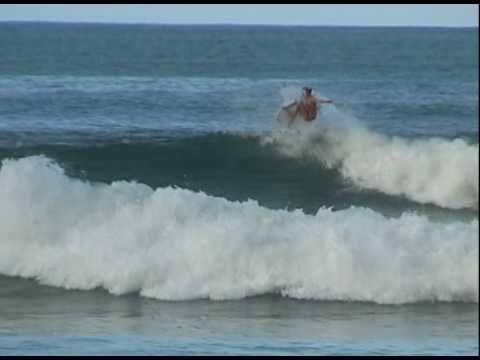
(308, 90)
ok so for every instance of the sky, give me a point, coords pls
(271, 14)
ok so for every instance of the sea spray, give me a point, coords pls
(434, 170)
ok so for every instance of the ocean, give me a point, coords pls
(151, 203)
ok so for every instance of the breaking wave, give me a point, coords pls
(175, 244)
(439, 171)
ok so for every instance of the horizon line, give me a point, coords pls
(89, 22)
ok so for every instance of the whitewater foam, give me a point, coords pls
(176, 244)
(438, 171)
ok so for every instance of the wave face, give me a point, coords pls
(332, 164)
(430, 170)
(176, 244)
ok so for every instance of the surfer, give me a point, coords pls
(307, 106)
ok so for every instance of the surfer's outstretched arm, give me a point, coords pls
(323, 101)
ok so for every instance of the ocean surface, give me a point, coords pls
(151, 203)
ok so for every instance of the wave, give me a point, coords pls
(332, 164)
(439, 171)
(176, 244)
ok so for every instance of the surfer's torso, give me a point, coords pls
(307, 107)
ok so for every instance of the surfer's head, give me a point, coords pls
(307, 90)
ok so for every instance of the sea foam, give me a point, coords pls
(176, 244)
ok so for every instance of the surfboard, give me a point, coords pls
(284, 116)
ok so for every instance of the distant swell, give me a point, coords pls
(177, 244)
(433, 170)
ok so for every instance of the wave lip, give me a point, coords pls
(175, 244)
(436, 171)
